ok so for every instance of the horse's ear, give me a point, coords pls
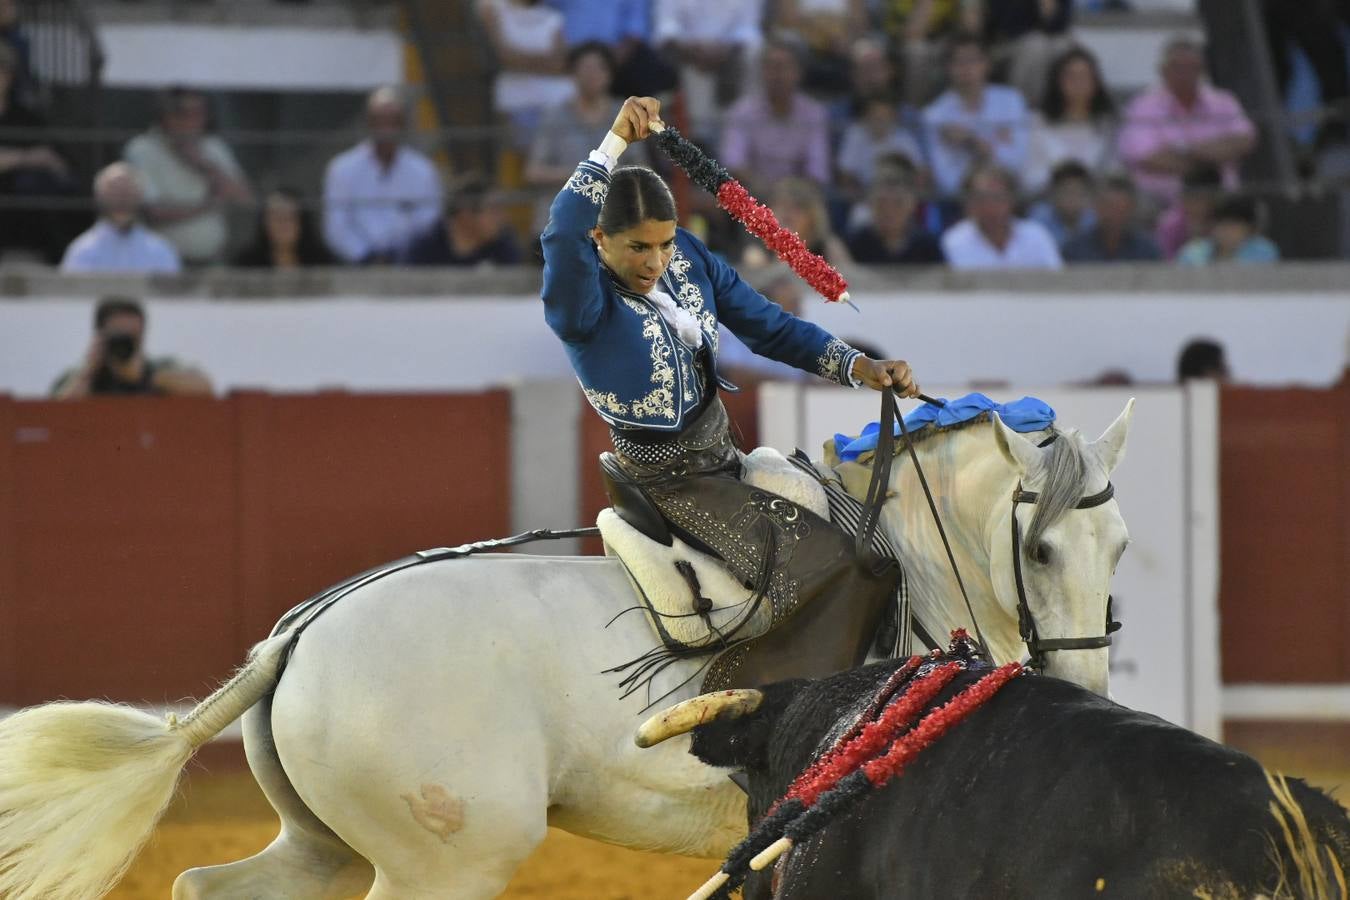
(1020, 453)
(1110, 446)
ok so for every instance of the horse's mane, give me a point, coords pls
(1064, 472)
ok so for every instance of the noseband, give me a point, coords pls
(1037, 646)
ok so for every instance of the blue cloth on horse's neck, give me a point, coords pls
(1027, 414)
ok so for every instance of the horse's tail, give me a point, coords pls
(83, 784)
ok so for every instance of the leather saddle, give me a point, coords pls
(631, 503)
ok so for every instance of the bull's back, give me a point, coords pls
(1051, 791)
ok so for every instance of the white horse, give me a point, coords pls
(432, 725)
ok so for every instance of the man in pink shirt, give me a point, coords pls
(1183, 123)
(779, 131)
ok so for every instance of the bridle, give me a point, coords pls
(1037, 647)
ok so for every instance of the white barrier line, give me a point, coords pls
(1288, 702)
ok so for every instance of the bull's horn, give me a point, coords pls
(685, 717)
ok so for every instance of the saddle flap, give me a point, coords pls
(659, 576)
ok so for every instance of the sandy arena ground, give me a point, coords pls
(221, 816)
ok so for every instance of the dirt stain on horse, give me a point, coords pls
(437, 810)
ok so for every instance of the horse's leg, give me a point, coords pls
(444, 790)
(307, 861)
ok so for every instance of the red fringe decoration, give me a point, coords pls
(937, 723)
(843, 760)
(760, 221)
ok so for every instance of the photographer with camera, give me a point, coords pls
(115, 362)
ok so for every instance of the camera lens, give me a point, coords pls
(121, 347)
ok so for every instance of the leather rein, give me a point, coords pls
(1037, 647)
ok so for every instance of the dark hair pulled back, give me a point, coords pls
(635, 195)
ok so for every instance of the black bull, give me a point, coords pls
(1047, 791)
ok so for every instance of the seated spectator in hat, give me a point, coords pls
(1077, 121)
(1183, 123)
(828, 28)
(991, 236)
(714, 44)
(973, 122)
(894, 236)
(1234, 237)
(625, 27)
(876, 132)
(527, 41)
(920, 29)
(118, 242)
(569, 132)
(1202, 358)
(1026, 36)
(799, 204)
(1067, 212)
(472, 232)
(116, 363)
(31, 174)
(381, 192)
(1117, 236)
(287, 237)
(190, 178)
(777, 132)
(1191, 215)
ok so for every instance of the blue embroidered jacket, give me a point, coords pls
(633, 367)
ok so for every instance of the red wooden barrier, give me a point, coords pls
(146, 542)
(1285, 532)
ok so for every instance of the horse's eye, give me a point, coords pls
(1041, 554)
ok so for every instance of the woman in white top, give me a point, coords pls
(1077, 120)
(527, 37)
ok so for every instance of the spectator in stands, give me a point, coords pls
(116, 364)
(1315, 27)
(1026, 37)
(1183, 123)
(920, 28)
(876, 132)
(1067, 213)
(1192, 214)
(799, 204)
(990, 237)
(14, 36)
(571, 131)
(527, 38)
(1077, 121)
(828, 28)
(1117, 236)
(779, 131)
(625, 27)
(189, 177)
(714, 43)
(118, 242)
(1202, 358)
(973, 122)
(1235, 236)
(473, 231)
(31, 173)
(287, 237)
(381, 192)
(894, 236)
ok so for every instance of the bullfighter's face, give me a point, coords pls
(640, 254)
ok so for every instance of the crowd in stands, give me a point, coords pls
(967, 132)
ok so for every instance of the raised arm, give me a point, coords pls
(573, 299)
